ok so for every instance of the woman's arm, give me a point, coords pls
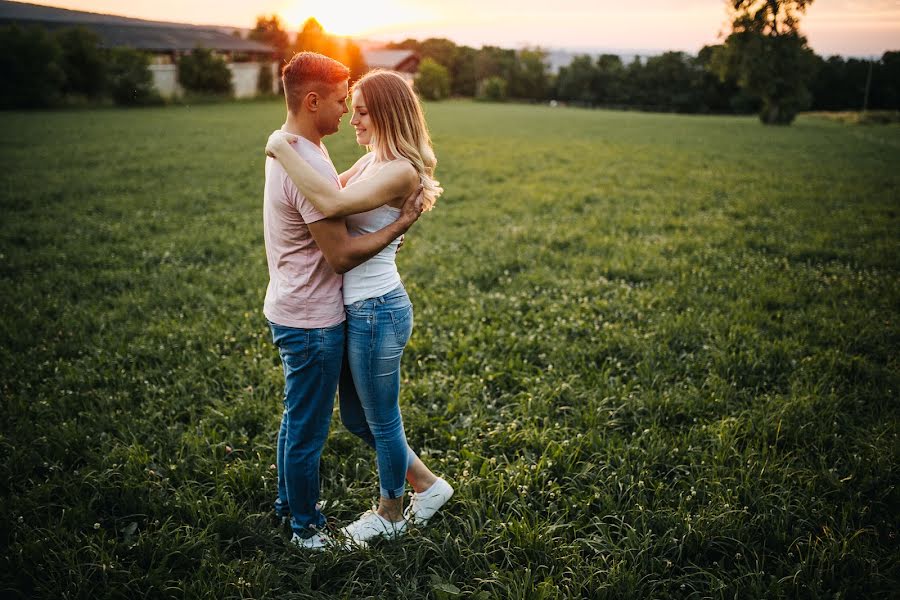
(395, 180)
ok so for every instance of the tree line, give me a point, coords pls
(763, 66)
(671, 82)
(39, 68)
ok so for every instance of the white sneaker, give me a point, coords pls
(372, 525)
(318, 541)
(425, 504)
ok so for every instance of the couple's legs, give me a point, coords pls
(311, 359)
(377, 331)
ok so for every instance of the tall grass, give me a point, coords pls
(656, 355)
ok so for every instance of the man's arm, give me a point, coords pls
(392, 181)
(344, 252)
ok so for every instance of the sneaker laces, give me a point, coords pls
(413, 500)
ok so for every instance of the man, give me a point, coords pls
(306, 253)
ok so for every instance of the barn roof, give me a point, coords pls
(398, 60)
(155, 36)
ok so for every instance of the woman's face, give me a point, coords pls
(361, 120)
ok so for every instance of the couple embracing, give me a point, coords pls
(335, 303)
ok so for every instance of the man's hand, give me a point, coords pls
(279, 141)
(412, 207)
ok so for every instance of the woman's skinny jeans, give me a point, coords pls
(377, 331)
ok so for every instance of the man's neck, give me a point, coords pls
(303, 128)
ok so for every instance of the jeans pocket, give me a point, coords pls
(402, 319)
(293, 346)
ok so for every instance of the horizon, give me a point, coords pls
(861, 28)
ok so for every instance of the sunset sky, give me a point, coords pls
(848, 27)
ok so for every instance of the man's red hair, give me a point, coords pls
(310, 72)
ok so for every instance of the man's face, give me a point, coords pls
(332, 106)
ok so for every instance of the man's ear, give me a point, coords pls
(311, 101)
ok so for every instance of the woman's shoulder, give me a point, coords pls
(402, 170)
(363, 161)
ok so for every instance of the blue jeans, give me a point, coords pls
(377, 331)
(312, 364)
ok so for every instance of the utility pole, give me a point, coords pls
(868, 85)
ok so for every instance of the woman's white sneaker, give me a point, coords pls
(317, 541)
(371, 525)
(425, 504)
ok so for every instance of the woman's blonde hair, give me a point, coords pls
(399, 127)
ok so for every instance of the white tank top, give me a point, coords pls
(378, 275)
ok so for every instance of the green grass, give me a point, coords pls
(655, 354)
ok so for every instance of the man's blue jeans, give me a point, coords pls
(377, 331)
(312, 365)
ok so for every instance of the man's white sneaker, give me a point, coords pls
(372, 525)
(425, 504)
(318, 541)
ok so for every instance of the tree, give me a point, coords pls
(886, 82)
(203, 72)
(575, 82)
(673, 82)
(441, 50)
(462, 74)
(264, 80)
(129, 79)
(492, 61)
(493, 89)
(83, 62)
(30, 71)
(529, 77)
(768, 57)
(354, 59)
(270, 30)
(609, 80)
(312, 38)
(718, 95)
(433, 80)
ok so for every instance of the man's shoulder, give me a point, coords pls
(317, 157)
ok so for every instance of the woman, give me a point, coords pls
(389, 121)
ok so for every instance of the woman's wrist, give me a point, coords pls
(281, 146)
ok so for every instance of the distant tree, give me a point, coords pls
(83, 62)
(407, 44)
(492, 61)
(717, 94)
(30, 71)
(352, 56)
(768, 57)
(885, 93)
(442, 51)
(264, 80)
(462, 75)
(530, 77)
(609, 80)
(203, 72)
(576, 81)
(313, 38)
(270, 30)
(433, 80)
(672, 82)
(492, 89)
(129, 79)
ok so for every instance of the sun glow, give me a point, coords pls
(354, 17)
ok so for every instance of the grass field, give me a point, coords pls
(656, 355)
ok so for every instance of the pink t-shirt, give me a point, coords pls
(303, 289)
